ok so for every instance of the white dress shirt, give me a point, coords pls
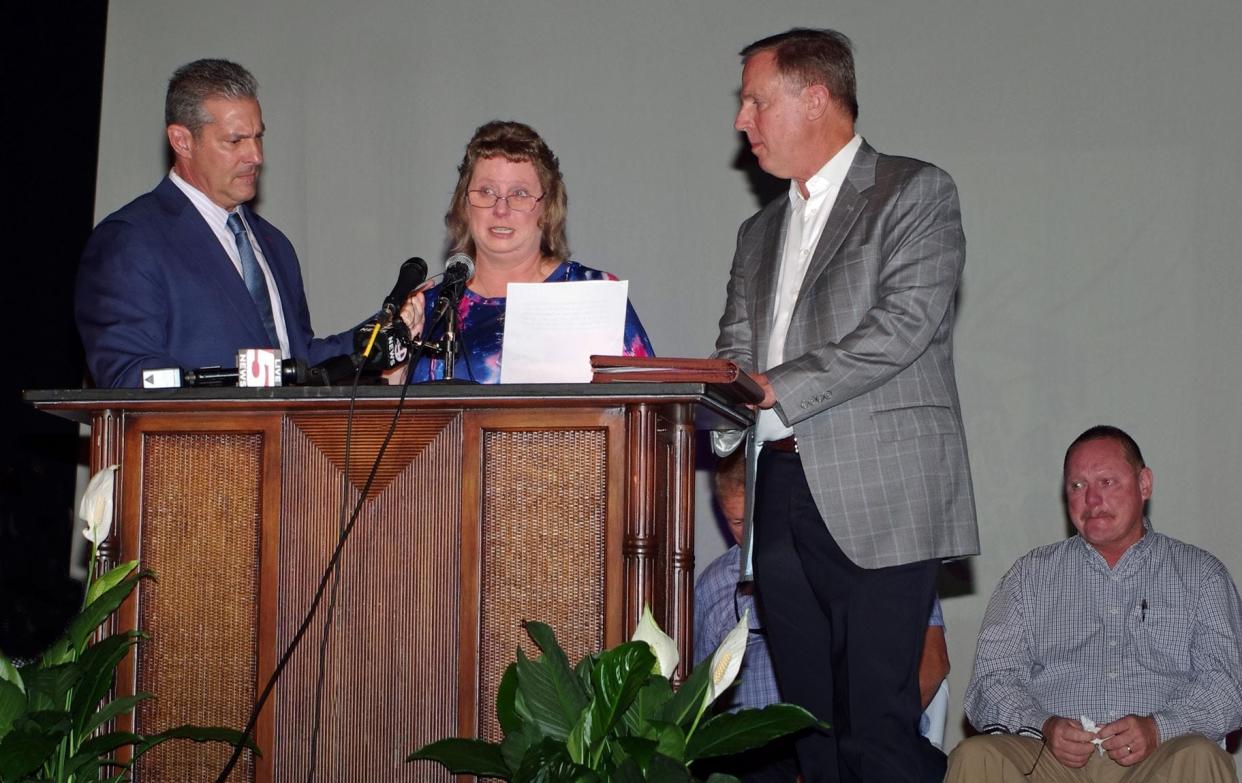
(807, 217)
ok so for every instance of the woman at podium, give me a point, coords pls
(508, 214)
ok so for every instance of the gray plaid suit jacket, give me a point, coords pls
(868, 386)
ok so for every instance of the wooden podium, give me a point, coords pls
(569, 504)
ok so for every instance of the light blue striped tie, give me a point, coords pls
(256, 283)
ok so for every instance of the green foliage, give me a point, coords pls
(466, 756)
(52, 710)
(611, 718)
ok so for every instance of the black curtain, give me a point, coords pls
(54, 61)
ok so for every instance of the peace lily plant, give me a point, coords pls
(615, 717)
(55, 712)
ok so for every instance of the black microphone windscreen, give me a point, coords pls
(458, 267)
(413, 273)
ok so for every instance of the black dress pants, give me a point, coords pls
(845, 640)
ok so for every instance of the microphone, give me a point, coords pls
(458, 269)
(389, 348)
(413, 273)
(293, 372)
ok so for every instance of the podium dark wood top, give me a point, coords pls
(714, 408)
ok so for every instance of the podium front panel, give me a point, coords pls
(490, 508)
(201, 518)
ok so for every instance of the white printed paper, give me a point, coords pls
(551, 329)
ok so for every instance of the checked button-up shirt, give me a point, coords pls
(1157, 635)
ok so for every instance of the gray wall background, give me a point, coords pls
(1095, 145)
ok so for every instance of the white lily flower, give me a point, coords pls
(96, 506)
(727, 660)
(662, 646)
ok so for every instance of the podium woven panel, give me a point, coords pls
(390, 665)
(200, 535)
(417, 429)
(544, 519)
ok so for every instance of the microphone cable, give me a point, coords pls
(330, 610)
(329, 571)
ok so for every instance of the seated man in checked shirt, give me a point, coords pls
(719, 601)
(1111, 656)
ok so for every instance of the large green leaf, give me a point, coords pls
(84, 768)
(98, 665)
(197, 734)
(87, 766)
(12, 704)
(108, 580)
(648, 706)
(61, 651)
(96, 747)
(9, 673)
(619, 674)
(506, 697)
(516, 744)
(553, 703)
(733, 732)
(578, 743)
(686, 703)
(637, 749)
(465, 756)
(628, 771)
(32, 739)
(106, 743)
(98, 610)
(519, 702)
(666, 770)
(671, 739)
(111, 710)
(571, 694)
(542, 635)
(584, 669)
(548, 762)
(48, 687)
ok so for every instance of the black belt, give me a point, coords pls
(788, 445)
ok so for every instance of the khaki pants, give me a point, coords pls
(1005, 758)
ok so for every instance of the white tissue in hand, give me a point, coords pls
(1089, 726)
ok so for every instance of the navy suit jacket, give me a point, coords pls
(156, 289)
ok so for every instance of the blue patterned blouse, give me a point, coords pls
(483, 326)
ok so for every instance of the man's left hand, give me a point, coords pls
(1130, 739)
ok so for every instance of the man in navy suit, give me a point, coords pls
(186, 275)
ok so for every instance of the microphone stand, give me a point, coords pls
(449, 346)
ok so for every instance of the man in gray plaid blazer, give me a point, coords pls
(841, 301)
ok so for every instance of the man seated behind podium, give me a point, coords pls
(1119, 627)
(719, 600)
(186, 275)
